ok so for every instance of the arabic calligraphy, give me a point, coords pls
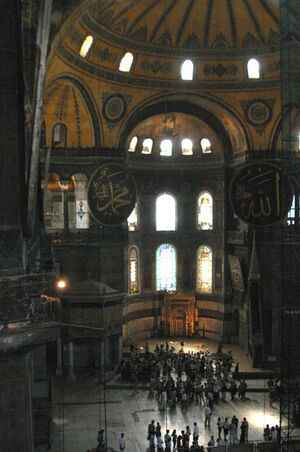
(259, 194)
(111, 194)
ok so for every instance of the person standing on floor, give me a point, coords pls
(207, 414)
(174, 439)
(168, 441)
(246, 429)
(122, 442)
(195, 433)
(226, 428)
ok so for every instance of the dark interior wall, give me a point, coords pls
(105, 264)
(15, 397)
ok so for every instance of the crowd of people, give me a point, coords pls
(177, 379)
(208, 376)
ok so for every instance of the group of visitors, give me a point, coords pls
(209, 376)
(271, 434)
(187, 440)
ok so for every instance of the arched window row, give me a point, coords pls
(65, 202)
(187, 67)
(166, 146)
(165, 213)
(166, 269)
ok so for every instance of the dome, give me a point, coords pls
(161, 33)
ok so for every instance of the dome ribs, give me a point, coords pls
(252, 15)
(124, 10)
(162, 18)
(269, 11)
(208, 21)
(141, 15)
(232, 21)
(184, 20)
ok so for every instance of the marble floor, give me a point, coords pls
(79, 411)
(77, 421)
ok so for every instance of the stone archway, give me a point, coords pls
(178, 322)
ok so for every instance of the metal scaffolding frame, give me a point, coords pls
(290, 284)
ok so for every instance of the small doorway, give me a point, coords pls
(179, 323)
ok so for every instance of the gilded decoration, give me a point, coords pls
(111, 194)
(258, 112)
(260, 194)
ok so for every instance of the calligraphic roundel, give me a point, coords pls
(111, 194)
(260, 194)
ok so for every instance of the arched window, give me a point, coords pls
(132, 145)
(187, 70)
(204, 270)
(205, 211)
(81, 212)
(126, 62)
(253, 68)
(132, 220)
(134, 277)
(166, 267)
(53, 208)
(205, 145)
(165, 213)
(187, 146)
(86, 45)
(166, 147)
(147, 146)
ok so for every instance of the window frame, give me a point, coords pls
(259, 68)
(172, 149)
(175, 212)
(131, 65)
(212, 208)
(203, 246)
(194, 71)
(138, 273)
(156, 270)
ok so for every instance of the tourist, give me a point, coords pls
(122, 442)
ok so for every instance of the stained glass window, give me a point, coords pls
(204, 270)
(133, 144)
(147, 146)
(133, 271)
(205, 145)
(132, 220)
(165, 213)
(187, 146)
(253, 68)
(166, 267)
(187, 70)
(166, 148)
(126, 62)
(205, 211)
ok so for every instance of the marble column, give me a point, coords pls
(120, 348)
(106, 350)
(71, 375)
(59, 357)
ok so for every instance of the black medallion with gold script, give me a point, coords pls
(260, 194)
(111, 194)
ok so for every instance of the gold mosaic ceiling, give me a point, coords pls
(154, 25)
